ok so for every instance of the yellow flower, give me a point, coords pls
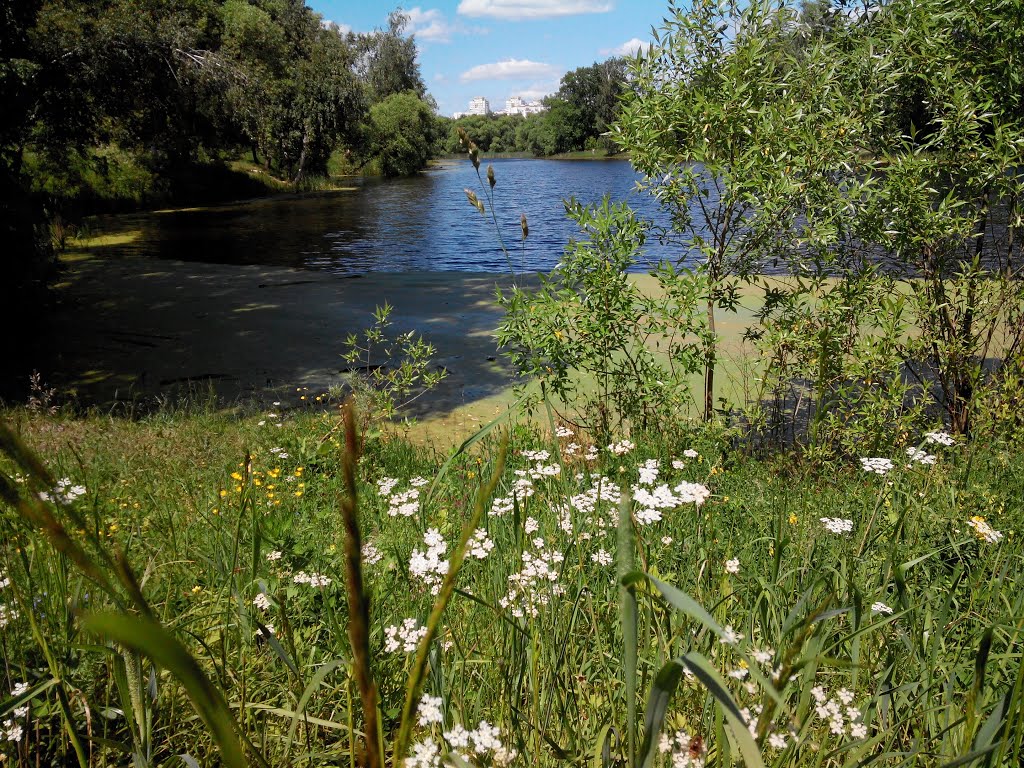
(223, 493)
(792, 519)
(236, 476)
(196, 589)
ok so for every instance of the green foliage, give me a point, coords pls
(391, 371)
(596, 341)
(401, 132)
(739, 139)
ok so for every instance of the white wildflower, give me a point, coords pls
(879, 466)
(602, 557)
(262, 602)
(984, 531)
(429, 710)
(479, 545)
(837, 525)
(730, 636)
(732, 566)
(405, 636)
(940, 438)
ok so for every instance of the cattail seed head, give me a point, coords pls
(524, 225)
(474, 200)
(490, 176)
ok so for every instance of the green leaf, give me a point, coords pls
(709, 676)
(148, 637)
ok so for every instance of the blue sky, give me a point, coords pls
(502, 48)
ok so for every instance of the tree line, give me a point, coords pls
(578, 117)
(130, 102)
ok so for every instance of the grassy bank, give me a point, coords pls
(817, 615)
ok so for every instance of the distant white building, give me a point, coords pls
(477, 106)
(515, 105)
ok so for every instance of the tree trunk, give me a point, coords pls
(709, 366)
(303, 157)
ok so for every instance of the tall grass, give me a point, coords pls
(151, 622)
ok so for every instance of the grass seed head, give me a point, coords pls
(490, 176)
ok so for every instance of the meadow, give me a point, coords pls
(680, 599)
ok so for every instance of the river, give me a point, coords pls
(418, 224)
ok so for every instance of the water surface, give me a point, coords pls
(422, 223)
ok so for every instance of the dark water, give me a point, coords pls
(422, 223)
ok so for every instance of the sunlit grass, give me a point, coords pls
(231, 523)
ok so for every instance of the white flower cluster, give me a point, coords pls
(479, 544)
(602, 557)
(12, 729)
(651, 503)
(837, 525)
(526, 592)
(984, 531)
(281, 453)
(313, 579)
(648, 472)
(371, 555)
(881, 607)
(730, 636)
(685, 752)
(7, 614)
(484, 741)
(940, 438)
(591, 454)
(274, 555)
(406, 636)
(541, 470)
(622, 447)
(418, 482)
(425, 754)
(261, 601)
(522, 489)
(562, 431)
(430, 566)
(877, 465)
(839, 711)
(63, 493)
(920, 457)
(732, 566)
(690, 453)
(537, 456)
(429, 710)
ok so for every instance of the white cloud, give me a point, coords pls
(628, 48)
(537, 91)
(517, 10)
(440, 78)
(509, 69)
(431, 26)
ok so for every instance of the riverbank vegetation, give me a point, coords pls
(824, 572)
(577, 118)
(114, 106)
